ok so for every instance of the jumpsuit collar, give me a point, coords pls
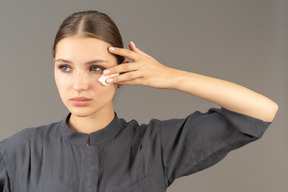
(94, 138)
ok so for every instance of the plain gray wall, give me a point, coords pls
(244, 41)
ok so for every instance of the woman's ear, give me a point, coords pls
(126, 61)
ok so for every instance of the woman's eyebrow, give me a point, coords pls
(62, 60)
(96, 61)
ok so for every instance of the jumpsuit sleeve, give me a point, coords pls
(202, 139)
(4, 179)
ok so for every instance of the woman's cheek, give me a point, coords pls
(62, 81)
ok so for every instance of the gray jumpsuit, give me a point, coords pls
(124, 156)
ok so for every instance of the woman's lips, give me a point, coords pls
(80, 101)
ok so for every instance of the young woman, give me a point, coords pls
(94, 150)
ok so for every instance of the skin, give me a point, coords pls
(144, 70)
(81, 56)
(149, 72)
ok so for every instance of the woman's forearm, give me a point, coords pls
(226, 94)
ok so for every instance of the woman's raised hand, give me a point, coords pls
(144, 70)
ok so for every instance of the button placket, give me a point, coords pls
(89, 169)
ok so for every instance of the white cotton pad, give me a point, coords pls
(103, 78)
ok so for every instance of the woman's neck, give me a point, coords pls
(91, 123)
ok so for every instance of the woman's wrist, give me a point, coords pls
(176, 79)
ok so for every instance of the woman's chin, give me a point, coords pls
(92, 111)
(81, 112)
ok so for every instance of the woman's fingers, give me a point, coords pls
(133, 47)
(126, 70)
(122, 68)
(134, 53)
(144, 70)
(124, 52)
(125, 78)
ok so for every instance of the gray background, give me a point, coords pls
(243, 41)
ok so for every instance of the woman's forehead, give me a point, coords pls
(83, 49)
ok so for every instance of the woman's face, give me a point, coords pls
(79, 62)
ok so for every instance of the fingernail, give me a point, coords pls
(109, 81)
(111, 49)
(106, 72)
(133, 43)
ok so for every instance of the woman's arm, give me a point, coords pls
(227, 94)
(145, 70)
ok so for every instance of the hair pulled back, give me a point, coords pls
(90, 24)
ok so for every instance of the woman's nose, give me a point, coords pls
(80, 82)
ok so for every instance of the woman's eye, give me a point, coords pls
(65, 68)
(96, 68)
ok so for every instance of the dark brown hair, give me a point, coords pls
(90, 24)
